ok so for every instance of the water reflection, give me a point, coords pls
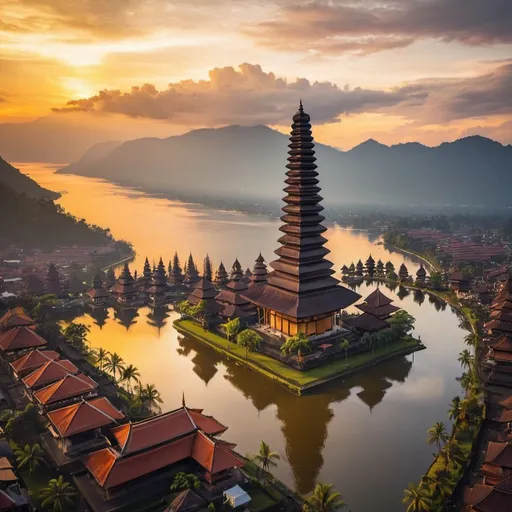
(126, 316)
(157, 317)
(100, 316)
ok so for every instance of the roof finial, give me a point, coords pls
(183, 399)
(301, 109)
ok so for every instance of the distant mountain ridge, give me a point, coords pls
(22, 184)
(249, 163)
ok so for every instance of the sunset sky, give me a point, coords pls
(394, 70)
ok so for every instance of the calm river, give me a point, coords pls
(366, 435)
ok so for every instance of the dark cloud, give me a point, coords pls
(367, 27)
(249, 95)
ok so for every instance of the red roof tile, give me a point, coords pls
(49, 372)
(15, 317)
(33, 359)
(84, 416)
(20, 338)
(207, 424)
(67, 387)
(499, 454)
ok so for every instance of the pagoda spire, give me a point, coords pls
(221, 276)
(259, 271)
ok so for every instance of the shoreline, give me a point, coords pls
(430, 265)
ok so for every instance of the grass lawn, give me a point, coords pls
(260, 500)
(274, 368)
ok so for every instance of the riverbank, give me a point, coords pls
(295, 380)
(426, 262)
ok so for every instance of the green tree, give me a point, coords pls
(345, 345)
(437, 434)
(183, 307)
(231, 329)
(454, 411)
(30, 457)
(114, 364)
(436, 280)
(453, 454)
(184, 481)
(467, 381)
(248, 339)
(265, 458)
(129, 374)
(298, 344)
(101, 357)
(59, 496)
(402, 323)
(10, 418)
(76, 335)
(150, 397)
(416, 498)
(324, 499)
(439, 485)
(472, 339)
(465, 358)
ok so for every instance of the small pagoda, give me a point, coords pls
(359, 269)
(191, 274)
(378, 305)
(98, 294)
(176, 277)
(259, 272)
(125, 290)
(221, 277)
(205, 291)
(231, 301)
(53, 284)
(379, 269)
(421, 276)
(207, 269)
(403, 273)
(159, 287)
(147, 276)
(370, 266)
(301, 295)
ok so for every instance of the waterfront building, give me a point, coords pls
(191, 273)
(365, 323)
(68, 389)
(379, 269)
(403, 273)
(378, 305)
(98, 294)
(221, 276)
(205, 291)
(459, 283)
(159, 287)
(207, 269)
(144, 457)
(259, 272)
(146, 274)
(125, 290)
(49, 372)
(233, 304)
(15, 317)
(19, 339)
(370, 266)
(176, 277)
(301, 295)
(421, 276)
(32, 360)
(359, 269)
(53, 284)
(32, 285)
(344, 270)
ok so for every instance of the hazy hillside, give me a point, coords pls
(13, 178)
(249, 162)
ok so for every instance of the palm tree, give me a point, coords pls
(129, 374)
(454, 411)
(10, 418)
(465, 358)
(454, 454)
(472, 339)
(30, 457)
(437, 434)
(324, 499)
(416, 498)
(466, 381)
(114, 364)
(101, 357)
(58, 496)
(150, 397)
(265, 458)
(440, 485)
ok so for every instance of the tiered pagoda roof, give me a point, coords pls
(97, 291)
(501, 311)
(366, 323)
(230, 298)
(125, 284)
(176, 277)
(159, 284)
(259, 272)
(152, 444)
(33, 360)
(192, 274)
(53, 284)
(378, 305)
(70, 386)
(301, 284)
(204, 290)
(20, 338)
(32, 285)
(83, 416)
(49, 372)
(15, 317)
(146, 273)
(221, 276)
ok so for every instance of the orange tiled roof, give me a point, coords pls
(207, 424)
(67, 387)
(499, 454)
(110, 469)
(15, 317)
(33, 359)
(20, 338)
(84, 416)
(50, 372)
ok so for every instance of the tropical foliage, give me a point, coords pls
(59, 496)
(265, 458)
(417, 498)
(437, 434)
(248, 339)
(184, 481)
(323, 499)
(30, 457)
(298, 344)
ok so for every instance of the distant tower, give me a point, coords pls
(359, 269)
(97, 293)
(176, 277)
(191, 274)
(146, 273)
(53, 284)
(221, 276)
(421, 275)
(125, 289)
(403, 273)
(259, 272)
(380, 268)
(207, 269)
(370, 266)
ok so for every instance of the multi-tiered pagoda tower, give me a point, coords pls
(301, 295)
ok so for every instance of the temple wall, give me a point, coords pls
(289, 327)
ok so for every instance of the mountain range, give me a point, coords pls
(22, 184)
(248, 163)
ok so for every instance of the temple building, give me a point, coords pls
(403, 273)
(18, 339)
(359, 269)
(259, 272)
(421, 276)
(378, 305)
(301, 295)
(146, 275)
(205, 291)
(159, 287)
(32, 360)
(191, 274)
(66, 390)
(176, 276)
(370, 266)
(231, 300)
(49, 372)
(125, 290)
(221, 276)
(98, 294)
(15, 317)
(53, 284)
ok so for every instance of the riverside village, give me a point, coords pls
(82, 431)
